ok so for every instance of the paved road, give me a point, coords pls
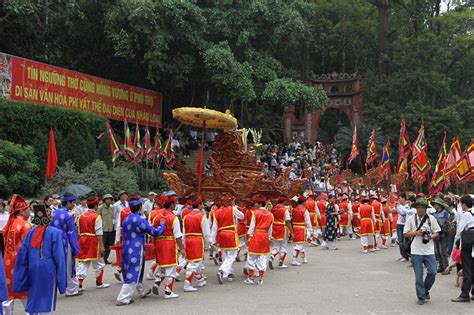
(344, 281)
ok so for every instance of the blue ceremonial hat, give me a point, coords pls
(135, 202)
(68, 198)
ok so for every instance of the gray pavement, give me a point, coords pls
(345, 281)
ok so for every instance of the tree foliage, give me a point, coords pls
(415, 58)
(18, 169)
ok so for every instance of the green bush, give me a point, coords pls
(18, 169)
(97, 176)
(65, 175)
(75, 131)
(123, 178)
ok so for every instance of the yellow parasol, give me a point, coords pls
(197, 117)
(204, 118)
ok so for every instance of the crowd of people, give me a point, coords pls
(66, 235)
(322, 158)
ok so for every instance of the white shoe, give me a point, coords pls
(119, 303)
(201, 283)
(220, 277)
(189, 288)
(295, 263)
(313, 243)
(81, 289)
(305, 261)
(259, 281)
(145, 294)
(177, 277)
(376, 249)
(384, 246)
(372, 250)
(352, 238)
(171, 295)
(102, 286)
(150, 276)
(156, 288)
(270, 262)
(365, 251)
(118, 276)
(249, 281)
(230, 278)
(282, 266)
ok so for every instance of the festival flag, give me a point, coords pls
(420, 165)
(371, 149)
(438, 180)
(404, 148)
(128, 143)
(148, 148)
(52, 161)
(454, 156)
(137, 144)
(465, 167)
(157, 149)
(385, 162)
(168, 152)
(115, 149)
(355, 151)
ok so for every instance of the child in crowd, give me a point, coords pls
(456, 262)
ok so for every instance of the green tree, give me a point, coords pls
(65, 175)
(96, 176)
(18, 168)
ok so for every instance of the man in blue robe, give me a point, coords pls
(64, 220)
(3, 285)
(134, 229)
(40, 266)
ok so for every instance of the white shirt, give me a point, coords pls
(148, 206)
(417, 246)
(466, 220)
(3, 220)
(117, 207)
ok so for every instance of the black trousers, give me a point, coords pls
(468, 272)
(109, 240)
(2, 245)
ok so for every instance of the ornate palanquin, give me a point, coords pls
(234, 172)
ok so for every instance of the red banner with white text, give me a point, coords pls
(30, 81)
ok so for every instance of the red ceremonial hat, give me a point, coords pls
(196, 202)
(365, 198)
(357, 197)
(345, 197)
(374, 196)
(259, 198)
(92, 200)
(301, 199)
(323, 196)
(17, 204)
(383, 200)
(420, 195)
(283, 197)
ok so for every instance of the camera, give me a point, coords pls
(426, 237)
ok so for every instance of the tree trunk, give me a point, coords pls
(383, 59)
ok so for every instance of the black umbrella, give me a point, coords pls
(78, 190)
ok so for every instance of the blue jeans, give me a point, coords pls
(423, 287)
(401, 240)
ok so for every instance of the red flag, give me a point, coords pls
(438, 180)
(52, 161)
(371, 149)
(355, 146)
(420, 165)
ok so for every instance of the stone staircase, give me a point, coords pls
(191, 162)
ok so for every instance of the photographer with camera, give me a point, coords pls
(421, 229)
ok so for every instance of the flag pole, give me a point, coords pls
(200, 166)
